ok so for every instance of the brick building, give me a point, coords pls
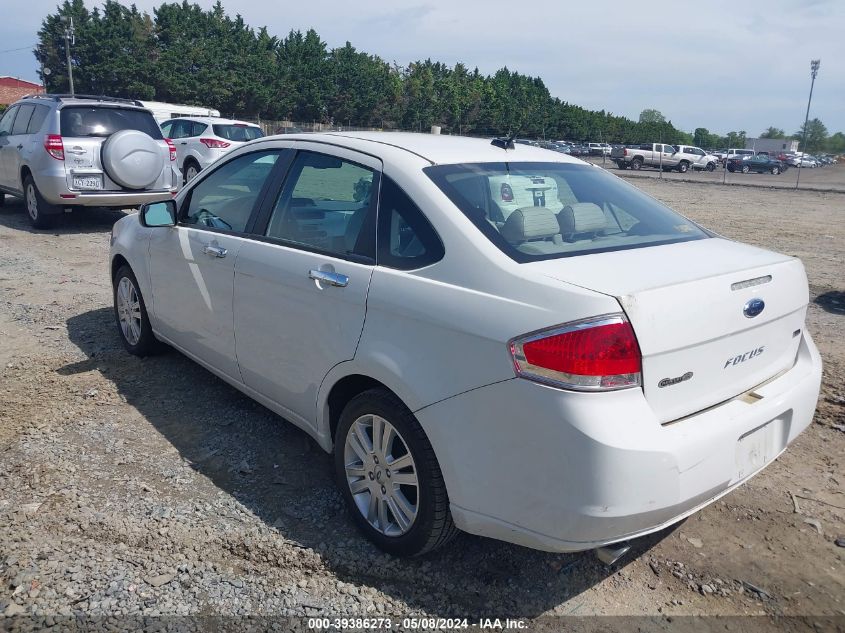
(12, 89)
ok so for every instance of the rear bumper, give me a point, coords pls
(54, 188)
(566, 471)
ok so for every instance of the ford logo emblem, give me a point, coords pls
(753, 308)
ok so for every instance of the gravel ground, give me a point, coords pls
(149, 487)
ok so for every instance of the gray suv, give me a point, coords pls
(58, 152)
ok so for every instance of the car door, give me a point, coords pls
(179, 133)
(21, 142)
(301, 291)
(192, 264)
(6, 148)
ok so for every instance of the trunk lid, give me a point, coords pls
(687, 304)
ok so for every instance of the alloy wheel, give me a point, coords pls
(129, 311)
(31, 202)
(381, 475)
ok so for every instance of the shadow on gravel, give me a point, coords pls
(282, 476)
(13, 215)
(833, 301)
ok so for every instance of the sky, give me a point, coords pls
(720, 64)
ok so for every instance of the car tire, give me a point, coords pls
(42, 214)
(711, 166)
(775, 170)
(2, 199)
(637, 164)
(745, 169)
(431, 526)
(191, 169)
(130, 313)
(683, 166)
(622, 164)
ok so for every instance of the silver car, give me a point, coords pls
(60, 152)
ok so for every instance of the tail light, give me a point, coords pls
(506, 192)
(213, 143)
(172, 148)
(596, 354)
(54, 146)
(626, 151)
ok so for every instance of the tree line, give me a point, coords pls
(182, 53)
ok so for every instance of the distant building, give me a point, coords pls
(771, 145)
(12, 89)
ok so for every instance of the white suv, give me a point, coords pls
(488, 336)
(200, 141)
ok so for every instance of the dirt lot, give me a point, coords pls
(134, 486)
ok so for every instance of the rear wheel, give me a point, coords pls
(42, 214)
(621, 164)
(191, 170)
(636, 164)
(775, 170)
(2, 198)
(389, 476)
(746, 169)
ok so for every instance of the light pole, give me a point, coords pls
(814, 70)
(70, 38)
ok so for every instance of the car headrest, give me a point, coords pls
(581, 217)
(530, 223)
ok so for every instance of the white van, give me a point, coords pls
(164, 111)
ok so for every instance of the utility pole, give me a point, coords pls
(814, 70)
(70, 39)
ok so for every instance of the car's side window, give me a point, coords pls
(326, 205)
(7, 120)
(37, 119)
(197, 128)
(226, 197)
(180, 129)
(22, 120)
(406, 238)
(166, 128)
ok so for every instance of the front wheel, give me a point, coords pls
(389, 476)
(130, 312)
(711, 166)
(746, 169)
(42, 214)
(683, 166)
(775, 171)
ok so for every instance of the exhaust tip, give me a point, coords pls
(609, 554)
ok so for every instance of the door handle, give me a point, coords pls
(330, 278)
(215, 251)
(20, 146)
(183, 143)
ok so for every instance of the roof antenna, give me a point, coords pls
(505, 142)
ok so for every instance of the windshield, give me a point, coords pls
(80, 121)
(237, 132)
(534, 211)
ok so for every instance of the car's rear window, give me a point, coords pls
(236, 132)
(81, 121)
(535, 211)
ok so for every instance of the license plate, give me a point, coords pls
(757, 448)
(87, 182)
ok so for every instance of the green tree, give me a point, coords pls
(650, 115)
(816, 135)
(836, 143)
(773, 132)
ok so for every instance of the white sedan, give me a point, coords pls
(493, 338)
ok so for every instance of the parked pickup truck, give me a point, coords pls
(650, 154)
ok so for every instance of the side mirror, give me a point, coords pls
(158, 213)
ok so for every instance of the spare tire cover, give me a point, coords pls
(132, 159)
